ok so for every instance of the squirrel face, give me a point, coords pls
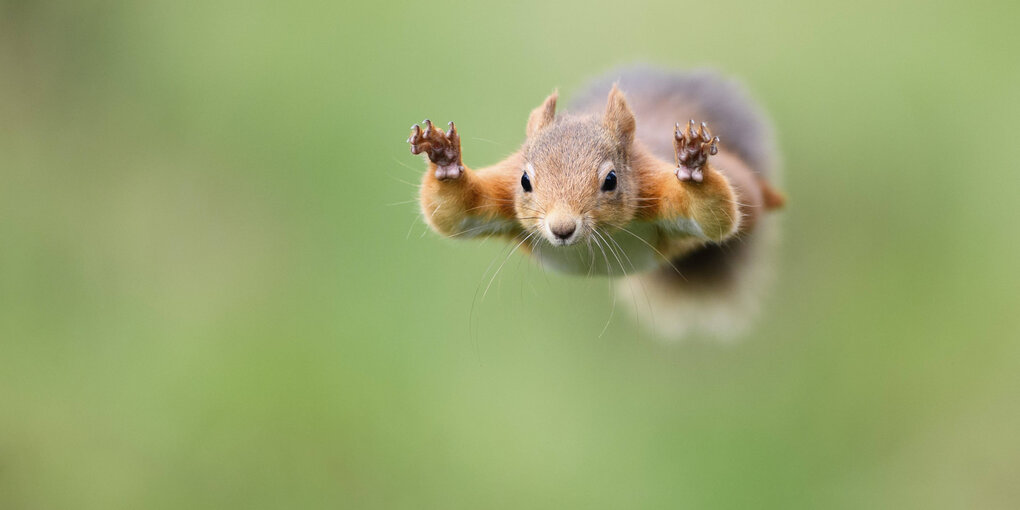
(575, 181)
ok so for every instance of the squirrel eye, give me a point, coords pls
(525, 182)
(610, 183)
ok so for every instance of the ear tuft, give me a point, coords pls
(619, 119)
(543, 115)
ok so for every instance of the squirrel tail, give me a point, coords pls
(716, 289)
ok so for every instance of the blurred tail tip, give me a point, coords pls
(674, 316)
(723, 308)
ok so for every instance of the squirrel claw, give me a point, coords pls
(452, 135)
(692, 149)
(711, 146)
(414, 139)
(443, 149)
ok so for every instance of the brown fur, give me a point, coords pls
(567, 157)
(487, 194)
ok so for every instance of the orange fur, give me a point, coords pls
(488, 195)
(601, 179)
(729, 201)
(485, 195)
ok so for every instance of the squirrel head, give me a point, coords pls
(576, 176)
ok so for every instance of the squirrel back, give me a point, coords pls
(659, 98)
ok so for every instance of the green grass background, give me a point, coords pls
(214, 292)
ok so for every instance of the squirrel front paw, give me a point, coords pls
(443, 149)
(692, 150)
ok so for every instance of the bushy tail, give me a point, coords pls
(715, 290)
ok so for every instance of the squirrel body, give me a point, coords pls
(625, 184)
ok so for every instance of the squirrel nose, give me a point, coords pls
(563, 229)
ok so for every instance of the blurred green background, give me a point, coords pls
(214, 292)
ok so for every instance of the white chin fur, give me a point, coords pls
(555, 241)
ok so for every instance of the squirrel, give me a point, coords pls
(627, 184)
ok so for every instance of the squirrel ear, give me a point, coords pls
(543, 115)
(619, 119)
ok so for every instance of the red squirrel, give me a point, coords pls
(658, 177)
